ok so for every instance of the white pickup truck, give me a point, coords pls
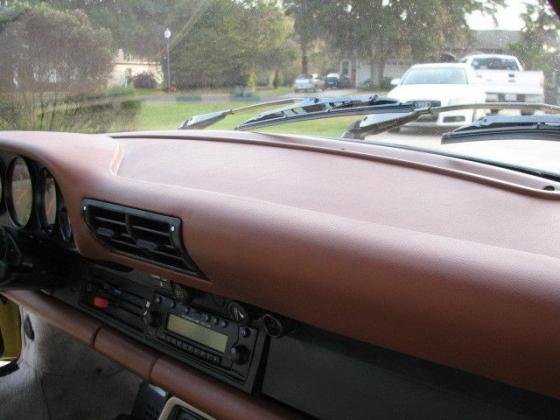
(504, 80)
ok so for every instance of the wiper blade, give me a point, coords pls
(501, 127)
(374, 124)
(325, 107)
(206, 120)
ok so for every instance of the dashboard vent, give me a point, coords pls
(139, 234)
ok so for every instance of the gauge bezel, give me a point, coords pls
(9, 196)
(64, 225)
(3, 186)
(41, 210)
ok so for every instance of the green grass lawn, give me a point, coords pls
(169, 115)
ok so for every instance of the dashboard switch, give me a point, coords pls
(100, 302)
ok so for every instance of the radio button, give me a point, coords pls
(223, 323)
(100, 302)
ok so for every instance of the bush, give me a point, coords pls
(144, 80)
(368, 85)
(132, 105)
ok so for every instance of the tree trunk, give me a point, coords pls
(380, 67)
(304, 58)
(371, 65)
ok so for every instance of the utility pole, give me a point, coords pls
(167, 35)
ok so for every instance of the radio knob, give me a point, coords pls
(239, 354)
(152, 319)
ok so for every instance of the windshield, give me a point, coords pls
(110, 66)
(494, 63)
(435, 76)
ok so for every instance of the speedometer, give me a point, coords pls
(49, 200)
(21, 192)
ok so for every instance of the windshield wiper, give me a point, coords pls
(373, 124)
(307, 109)
(381, 113)
(502, 127)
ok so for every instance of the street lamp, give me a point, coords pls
(167, 35)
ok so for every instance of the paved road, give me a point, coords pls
(329, 92)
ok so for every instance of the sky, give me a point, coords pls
(507, 17)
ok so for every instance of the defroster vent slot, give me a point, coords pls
(139, 234)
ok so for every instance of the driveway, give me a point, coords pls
(324, 93)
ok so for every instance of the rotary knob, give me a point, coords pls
(239, 354)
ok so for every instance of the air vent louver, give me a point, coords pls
(140, 234)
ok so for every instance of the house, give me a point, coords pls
(127, 66)
(495, 41)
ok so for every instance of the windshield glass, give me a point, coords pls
(435, 76)
(494, 63)
(110, 66)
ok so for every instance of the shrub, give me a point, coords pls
(144, 80)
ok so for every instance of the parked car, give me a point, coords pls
(440, 84)
(337, 81)
(308, 83)
(503, 78)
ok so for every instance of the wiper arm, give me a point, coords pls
(206, 120)
(500, 127)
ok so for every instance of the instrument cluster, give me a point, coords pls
(30, 199)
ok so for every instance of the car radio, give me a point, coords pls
(199, 332)
(221, 337)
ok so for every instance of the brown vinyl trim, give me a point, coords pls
(207, 394)
(62, 316)
(133, 356)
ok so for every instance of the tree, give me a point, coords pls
(377, 28)
(45, 50)
(539, 43)
(48, 54)
(229, 42)
(306, 26)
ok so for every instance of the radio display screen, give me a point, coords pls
(198, 333)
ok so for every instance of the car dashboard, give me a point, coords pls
(260, 275)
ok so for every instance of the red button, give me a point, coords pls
(100, 302)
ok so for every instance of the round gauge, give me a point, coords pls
(1, 186)
(49, 200)
(21, 192)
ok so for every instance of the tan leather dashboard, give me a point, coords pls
(447, 260)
